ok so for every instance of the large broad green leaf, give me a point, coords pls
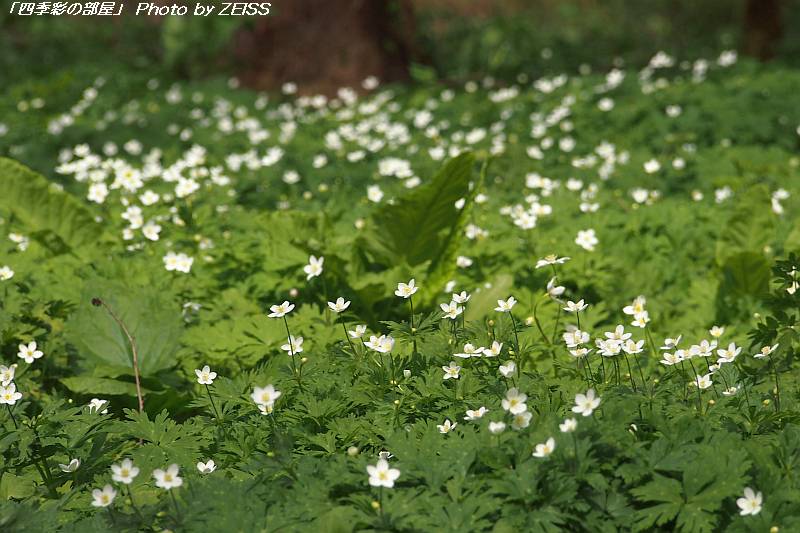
(746, 274)
(443, 267)
(149, 313)
(93, 385)
(484, 300)
(425, 227)
(53, 217)
(750, 227)
(415, 228)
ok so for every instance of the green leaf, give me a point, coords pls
(54, 218)
(443, 266)
(750, 227)
(148, 312)
(416, 228)
(91, 385)
(746, 273)
(483, 301)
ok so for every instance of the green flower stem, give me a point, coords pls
(516, 341)
(347, 336)
(777, 384)
(11, 414)
(630, 372)
(208, 390)
(291, 349)
(697, 386)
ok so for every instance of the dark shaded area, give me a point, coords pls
(763, 28)
(326, 44)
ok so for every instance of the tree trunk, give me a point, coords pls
(762, 28)
(322, 45)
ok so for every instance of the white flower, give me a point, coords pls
(314, 267)
(9, 394)
(730, 391)
(575, 337)
(339, 305)
(703, 382)
(265, 395)
(178, 262)
(514, 402)
(728, 354)
(380, 475)
(575, 307)
(505, 306)
(447, 426)
(551, 260)
(640, 320)
(7, 374)
(568, 425)
(451, 371)
(508, 369)
(470, 351)
(406, 290)
(71, 466)
(553, 290)
(205, 376)
(765, 351)
(382, 344)
(103, 498)
(585, 404)
(670, 344)
(358, 332)
(206, 468)
(497, 427)
(670, 359)
(6, 273)
(751, 503)
(374, 193)
(632, 348)
(29, 352)
(578, 353)
(96, 406)
(587, 240)
(636, 307)
(652, 166)
(545, 449)
(294, 346)
(151, 231)
(124, 472)
(451, 310)
(493, 350)
(168, 479)
(521, 420)
(475, 414)
(280, 310)
(461, 298)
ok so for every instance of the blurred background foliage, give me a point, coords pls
(444, 39)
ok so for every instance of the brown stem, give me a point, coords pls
(98, 302)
